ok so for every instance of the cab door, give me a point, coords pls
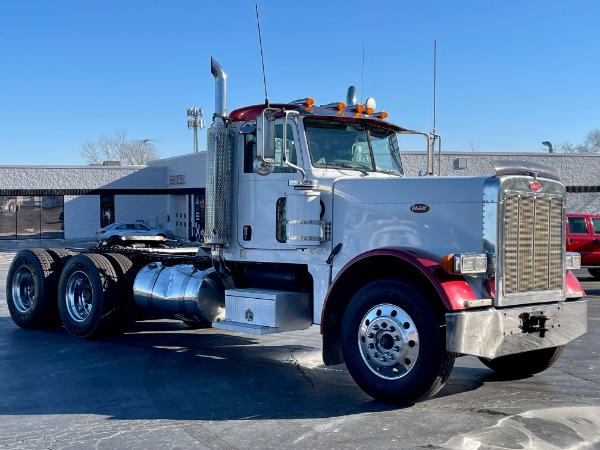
(583, 237)
(263, 190)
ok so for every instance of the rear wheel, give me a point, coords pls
(31, 287)
(126, 273)
(88, 296)
(393, 343)
(522, 365)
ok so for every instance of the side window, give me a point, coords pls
(250, 150)
(290, 149)
(577, 225)
(596, 224)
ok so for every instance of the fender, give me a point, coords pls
(573, 289)
(452, 290)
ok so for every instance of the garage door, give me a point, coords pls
(182, 217)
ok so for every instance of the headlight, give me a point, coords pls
(463, 263)
(572, 260)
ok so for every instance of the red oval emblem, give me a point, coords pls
(535, 186)
(419, 208)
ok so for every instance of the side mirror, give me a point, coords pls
(265, 137)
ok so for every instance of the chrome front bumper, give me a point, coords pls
(492, 332)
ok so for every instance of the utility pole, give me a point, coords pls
(196, 122)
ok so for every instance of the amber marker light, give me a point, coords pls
(447, 263)
(464, 263)
(381, 115)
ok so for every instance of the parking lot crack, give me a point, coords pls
(578, 376)
(300, 369)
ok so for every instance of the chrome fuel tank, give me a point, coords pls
(182, 292)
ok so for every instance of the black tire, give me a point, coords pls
(393, 344)
(31, 287)
(126, 272)
(522, 365)
(88, 296)
(595, 273)
(59, 257)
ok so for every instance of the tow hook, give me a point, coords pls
(534, 323)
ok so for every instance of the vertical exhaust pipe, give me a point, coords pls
(220, 89)
(219, 178)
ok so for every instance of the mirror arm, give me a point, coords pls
(284, 146)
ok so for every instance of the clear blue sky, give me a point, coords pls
(510, 73)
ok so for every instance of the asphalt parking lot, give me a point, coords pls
(166, 386)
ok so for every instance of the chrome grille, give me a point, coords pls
(533, 234)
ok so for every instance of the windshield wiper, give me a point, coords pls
(390, 172)
(350, 166)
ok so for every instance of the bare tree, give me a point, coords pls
(592, 141)
(119, 148)
(591, 144)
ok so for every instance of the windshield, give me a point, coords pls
(348, 145)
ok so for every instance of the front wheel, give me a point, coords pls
(595, 273)
(523, 365)
(393, 344)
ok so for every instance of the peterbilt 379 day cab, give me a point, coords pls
(310, 220)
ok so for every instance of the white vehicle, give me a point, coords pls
(121, 229)
(310, 220)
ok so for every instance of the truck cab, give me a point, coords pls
(583, 237)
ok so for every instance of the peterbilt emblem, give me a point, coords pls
(249, 315)
(419, 208)
(535, 186)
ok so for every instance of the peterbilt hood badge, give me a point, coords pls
(535, 186)
(419, 208)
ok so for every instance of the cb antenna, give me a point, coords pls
(262, 58)
(434, 81)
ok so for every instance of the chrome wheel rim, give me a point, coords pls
(388, 341)
(79, 295)
(23, 289)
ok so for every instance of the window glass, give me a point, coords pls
(279, 167)
(52, 217)
(577, 225)
(596, 224)
(28, 216)
(8, 217)
(349, 145)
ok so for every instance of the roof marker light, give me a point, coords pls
(370, 106)
(304, 102)
(380, 115)
(338, 106)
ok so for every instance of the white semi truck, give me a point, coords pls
(311, 220)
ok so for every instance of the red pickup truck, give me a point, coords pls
(583, 236)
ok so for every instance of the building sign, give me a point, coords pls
(176, 179)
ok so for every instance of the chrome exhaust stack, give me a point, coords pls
(220, 91)
(219, 177)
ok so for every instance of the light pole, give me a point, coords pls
(196, 122)
(549, 145)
